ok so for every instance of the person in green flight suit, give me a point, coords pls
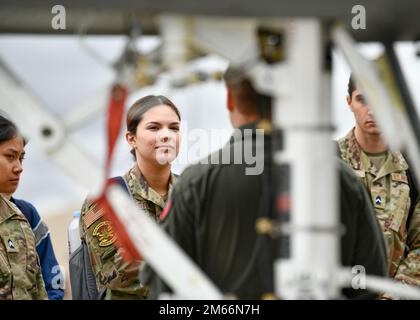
(213, 210)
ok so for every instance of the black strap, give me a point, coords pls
(91, 290)
(414, 193)
(266, 244)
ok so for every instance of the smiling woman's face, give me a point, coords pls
(12, 153)
(157, 136)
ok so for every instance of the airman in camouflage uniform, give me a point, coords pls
(388, 180)
(389, 191)
(20, 271)
(113, 274)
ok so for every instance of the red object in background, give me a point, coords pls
(115, 118)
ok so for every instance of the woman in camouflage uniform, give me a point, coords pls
(20, 271)
(153, 134)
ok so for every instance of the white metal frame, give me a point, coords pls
(305, 119)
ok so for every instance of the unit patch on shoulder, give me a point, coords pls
(103, 231)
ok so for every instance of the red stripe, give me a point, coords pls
(166, 210)
(130, 252)
(115, 118)
(283, 203)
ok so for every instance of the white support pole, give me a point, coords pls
(367, 77)
(173, 30)
(161, 252)
(312, 270)
(380, 285)
(88, 110)
(392, 119)
(396, 130)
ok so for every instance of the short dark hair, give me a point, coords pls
(8, 130)
(136, 112)
(350, 86)
(249, 101)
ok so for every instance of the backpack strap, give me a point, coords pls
(123, 183)
(414, 193)
(91, 289)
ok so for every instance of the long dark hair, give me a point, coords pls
(136, 112)
(8, 130)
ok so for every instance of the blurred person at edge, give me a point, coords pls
(20, 269)
(391, 187)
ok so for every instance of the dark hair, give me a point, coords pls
(249, 101)
(8, 130)
(140, 107)
(350, 86)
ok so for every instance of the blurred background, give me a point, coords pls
(63, 71)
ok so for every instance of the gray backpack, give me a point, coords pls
(82, 279)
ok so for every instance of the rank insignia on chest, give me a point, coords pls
(11, 246)
(103, 231)
(378, 200)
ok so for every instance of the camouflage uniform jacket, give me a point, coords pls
(389, 191)
(118, 277)
(20, 271)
